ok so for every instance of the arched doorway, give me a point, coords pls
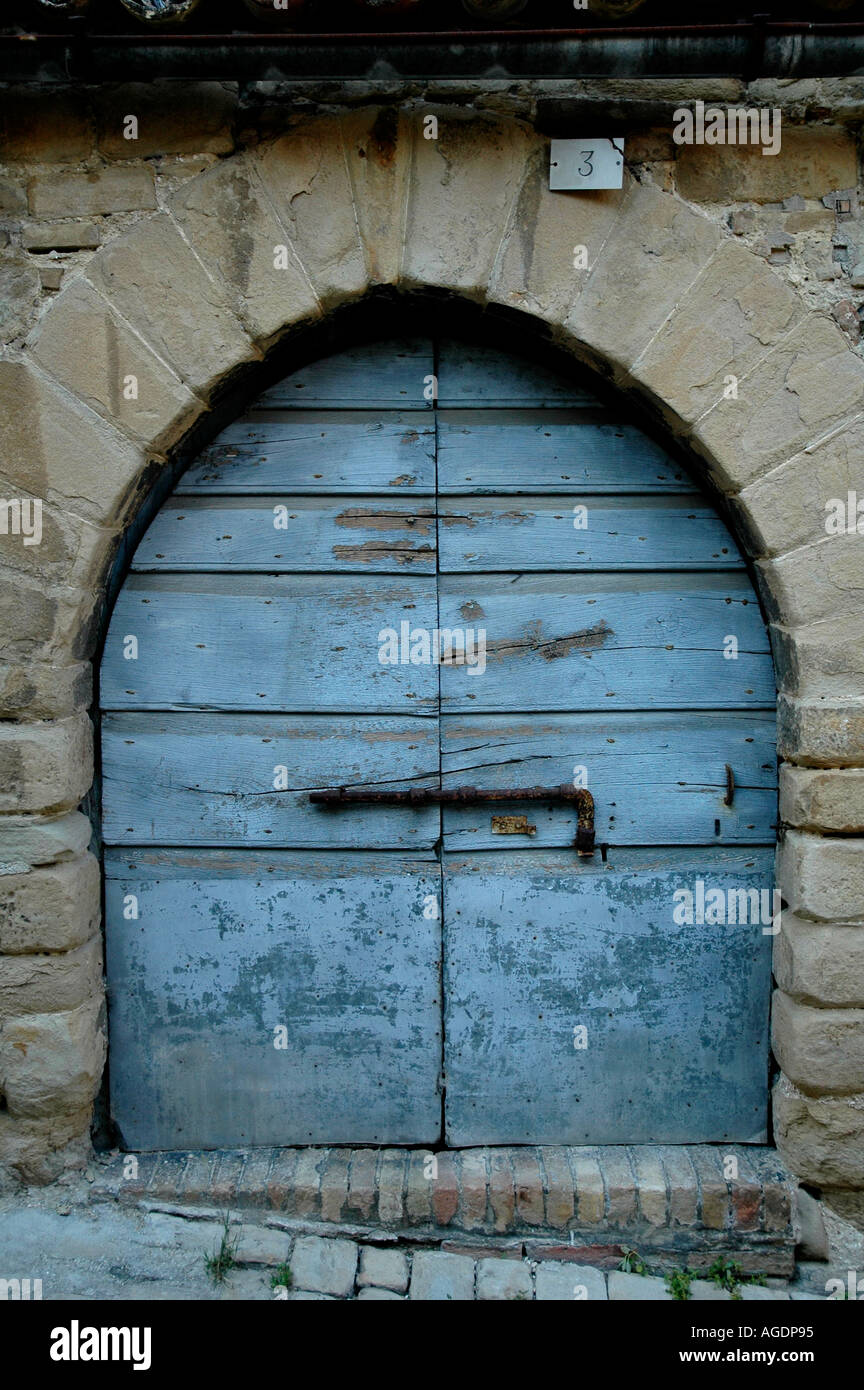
(421, 565)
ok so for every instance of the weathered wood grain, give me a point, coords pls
(291, 535)
(268, 642)
(373, 376)
(479, 375)
(208, 779)
(540, 533)
(507, 450)
(319, 452)
(607, 641)
(656, 778)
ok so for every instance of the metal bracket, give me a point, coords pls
(581, 798)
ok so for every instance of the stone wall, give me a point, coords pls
(153, 258)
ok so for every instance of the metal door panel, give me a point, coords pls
(339, 950)
(536, 945)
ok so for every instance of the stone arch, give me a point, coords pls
(136, 354)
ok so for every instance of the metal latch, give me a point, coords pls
(581, 798)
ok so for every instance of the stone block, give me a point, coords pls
(324, 1266)
(820, 1050)
(823, 579)
(568, 1283)
(262, 1245)
(788, 507)
(848, 1204)
(637, 1288)
(307, 1181)
(502, 1197)
(172, 118)
(378, 152)
(702, 1291)
(682, 1185)
(56, 448)
(13, 198)
(811, 161)
(51, 543)
(42, 623)
(474, 1184)
(463, 187)
(20, 289)
(827, 732)
(50, 983)
(621, 1207)
(28, 841)
(361, 1183)
(812, 1236)
(441, 1278)
(41, 125)
(820, 964)
(307, 181)
(714, 1197)
(153, 280)
(391, 1185)
(528, 1184)
(117, 376)
(657, 248)
(126, 188)
(51, 276)
(822, 659)
(445, 1189)
(503, 1280)
(52, 1063)
(560, 1198)
(820, 1137)
(46, 765)
(822, 878)
(386, 1269)
(61, 236)
(369, 1295)
(736, 311)
(43, 691)
(334, 1184)
(246, 1286)
(590, 1189)
(822, 799)
(802, 390)
(536, 269)
(231, 223)
(40, 1150)
(650, 1184)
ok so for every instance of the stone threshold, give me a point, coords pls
(674, 1203)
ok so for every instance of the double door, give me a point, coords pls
(424, 565)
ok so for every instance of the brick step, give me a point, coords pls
(569, 1203)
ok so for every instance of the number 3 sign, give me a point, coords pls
(589, 163)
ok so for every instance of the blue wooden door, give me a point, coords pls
(281, 973)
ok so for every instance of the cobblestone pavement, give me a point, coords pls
(94, 1250)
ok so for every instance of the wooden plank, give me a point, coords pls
(308, 451)
(290, 535)
(606, 642)
(676, 1016)
(343, 955)
(482, 451)
(571, 533)
(268, 642)
(372, 376)
(478, 375)
(657, 779)
(208, 779)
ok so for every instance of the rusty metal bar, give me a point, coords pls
(580, 797)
